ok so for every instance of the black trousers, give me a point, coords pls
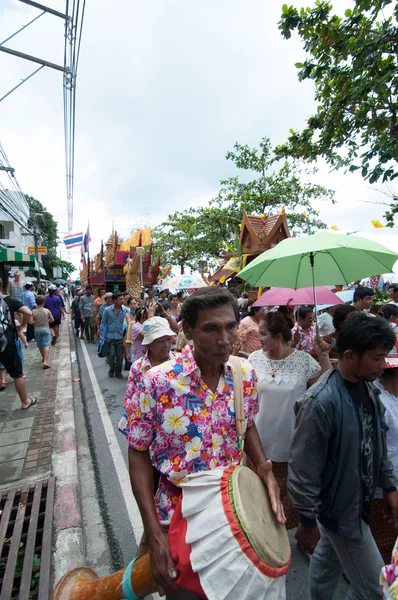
(30, 332)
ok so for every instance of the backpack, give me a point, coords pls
(5, 324)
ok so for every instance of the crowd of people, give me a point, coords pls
(28, 314)
(321, 435)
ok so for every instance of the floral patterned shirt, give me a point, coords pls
(307, 338)
(187, 427)
(135, 382)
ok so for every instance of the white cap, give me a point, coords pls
(155, 328)
(52, 286)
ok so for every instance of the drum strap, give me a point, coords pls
(237, 378)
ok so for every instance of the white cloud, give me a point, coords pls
(164, 90)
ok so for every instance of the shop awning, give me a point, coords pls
(18, 258)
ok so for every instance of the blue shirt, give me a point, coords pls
(113, 322)
(28, 299)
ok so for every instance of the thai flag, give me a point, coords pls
(73, 240)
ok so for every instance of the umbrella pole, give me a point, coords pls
(314, 290)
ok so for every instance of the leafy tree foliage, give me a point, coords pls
(49, 238)
(201, 234)
(353, 62)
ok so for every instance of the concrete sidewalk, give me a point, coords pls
(26, 435)
(41, 442)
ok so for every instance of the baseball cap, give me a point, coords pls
(155, 328)
(52, 286)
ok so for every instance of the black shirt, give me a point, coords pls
(363, 403)
(14, 306)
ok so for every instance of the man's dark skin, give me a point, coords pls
(354, 368)
(214, 336)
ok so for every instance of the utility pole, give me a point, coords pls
(36, 238)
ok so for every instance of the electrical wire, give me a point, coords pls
(75, 11)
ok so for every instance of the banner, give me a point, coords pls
(114, 274)
(137, 238)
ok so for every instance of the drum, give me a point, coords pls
(225, 540)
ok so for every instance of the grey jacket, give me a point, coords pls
(324, 466)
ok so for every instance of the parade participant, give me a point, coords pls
(9, 357)
(362, 299)
(29, 299)
(248, 334)
(108, 301)
(42, 318)
(137, 333)
(338, 456)
(175, 309)
(54, 304)
(304, 332)
(112, 324)
(76, 316)
(132, 306)
(15, 286)
(86, 306)
(128, 344)
(393, 293)
(383, 533)
(283, 376)
(390, 312)
(157, 341)
(325, 321)
(341, 315)
(97, 305)
(186, 418)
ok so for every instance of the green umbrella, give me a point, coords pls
(319, 259)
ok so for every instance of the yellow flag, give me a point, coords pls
(335, 228)
(222, 279)
(305, 214)
(377, 225)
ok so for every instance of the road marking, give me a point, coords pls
(116, 453)
(117, 456)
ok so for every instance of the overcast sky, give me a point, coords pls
(165, 88)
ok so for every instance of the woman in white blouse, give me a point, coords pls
(284, 374)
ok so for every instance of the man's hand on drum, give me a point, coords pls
(264, 470)
(163, 568)
(307, 538)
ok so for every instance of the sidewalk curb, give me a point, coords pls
(68, 547)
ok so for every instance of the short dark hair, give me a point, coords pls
(361, 292)
(389, 310)
(116, 294)
(363, 332)
(393, 286)
(277, 322)
(208, 297)
(28, 285)
(303, 311)
(88, 287)
(180, 294)
(253, 310)
(341, 313)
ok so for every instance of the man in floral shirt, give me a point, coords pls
(185, 416)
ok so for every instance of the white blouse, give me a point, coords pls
(391, 418)
(280, 384)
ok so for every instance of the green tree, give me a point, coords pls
(202, 234)
(352, 60)
(49, 238)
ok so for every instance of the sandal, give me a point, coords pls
(47, 367)
(32, 403)
(2, 386)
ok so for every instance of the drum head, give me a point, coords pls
(249, 498)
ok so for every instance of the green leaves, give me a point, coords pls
(352, 61)
(203, 234)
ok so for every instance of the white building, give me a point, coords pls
(14, 234)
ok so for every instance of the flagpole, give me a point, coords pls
(88, 252)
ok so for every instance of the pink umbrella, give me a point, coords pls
(287, 296)
(276, 297)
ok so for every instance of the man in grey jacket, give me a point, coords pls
(337, 458)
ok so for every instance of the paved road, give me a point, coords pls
(118, 521)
